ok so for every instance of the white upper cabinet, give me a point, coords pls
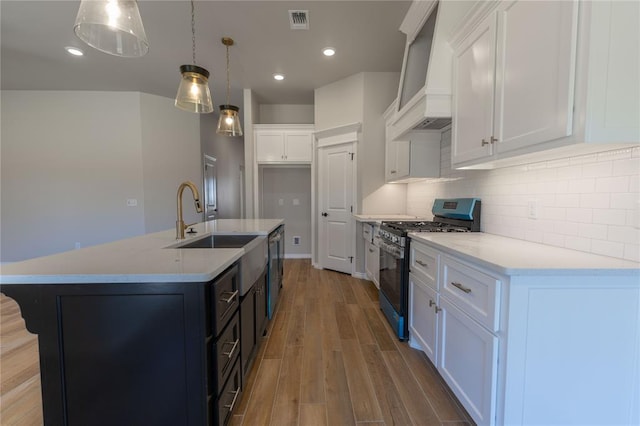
(537, 80)
(283, 143)
(414, 159)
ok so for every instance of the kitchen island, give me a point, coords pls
(137, 331)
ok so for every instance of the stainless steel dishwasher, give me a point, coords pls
(276, 267)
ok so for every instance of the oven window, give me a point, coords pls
(391, 279)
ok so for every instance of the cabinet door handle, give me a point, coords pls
(461, 287)
(235, 397)
(437, 309)
(431, 302)
(233, 348)
(393, 172)
(493, 140)
(421, 263)
(485, 142)
(370, 250)
(230, 298)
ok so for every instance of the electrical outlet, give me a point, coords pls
(281, 202)
(532, 209)
(78, 245)
(132, 202)
(296, 202)
(296, 241)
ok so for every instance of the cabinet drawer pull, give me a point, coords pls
(230, 298)
(461, 287)
(421, 263)
(235, 397)
(233, 348)
(485, 142)
(393, 172)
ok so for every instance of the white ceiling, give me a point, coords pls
(364, 33)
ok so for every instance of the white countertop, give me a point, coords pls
(385, 217)
(139, 259)
(510, 256)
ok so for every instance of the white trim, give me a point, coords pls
(340, 130)
(360, 275)
(297, 256)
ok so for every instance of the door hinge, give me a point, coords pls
(350, 259)
(352, 154)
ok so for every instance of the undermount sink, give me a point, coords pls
(220, 241)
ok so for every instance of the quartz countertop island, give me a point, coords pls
(146, 258)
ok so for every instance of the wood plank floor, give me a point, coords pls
(329, 358)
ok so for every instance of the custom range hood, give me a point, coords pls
(424, 94)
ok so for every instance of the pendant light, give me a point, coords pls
(112, 26)
(229, 122)
(193, 92)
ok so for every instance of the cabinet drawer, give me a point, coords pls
(424, 263)
(225, 299)
(226, 351)
(229, 397)
(471, 290)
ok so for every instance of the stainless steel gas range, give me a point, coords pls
(450, 215)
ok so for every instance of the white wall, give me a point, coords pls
(339, 103)
(71, 159)
(286, 114)
(251, 116)
(589, 203)
(170, 156)
(229, 154)
(380, 89)
(289, 184)
(362, 98)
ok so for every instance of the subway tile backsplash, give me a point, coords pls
(589, 203)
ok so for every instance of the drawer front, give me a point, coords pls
(227, 349)
(225, 299)
(471, 290)
(229, 397)
(424, 263)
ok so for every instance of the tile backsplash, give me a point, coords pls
(589, 203)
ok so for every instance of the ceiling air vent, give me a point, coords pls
(299, 19)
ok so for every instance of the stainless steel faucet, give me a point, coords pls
(180, 226)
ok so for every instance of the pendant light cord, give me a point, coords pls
(228, 79)
(193, 31)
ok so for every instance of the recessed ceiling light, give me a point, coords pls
(74, 51)
(328, 51)
(278, 77)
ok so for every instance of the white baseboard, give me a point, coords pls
(298, 256)
(360, 275)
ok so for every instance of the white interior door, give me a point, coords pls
(210, 189)
(335, 175)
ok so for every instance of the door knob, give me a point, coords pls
(325, 214)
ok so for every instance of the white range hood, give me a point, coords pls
(425, 90)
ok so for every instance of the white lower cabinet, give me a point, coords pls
(532, 346)
(372, 262)
(467, 361)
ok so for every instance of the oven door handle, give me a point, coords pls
(395, 251)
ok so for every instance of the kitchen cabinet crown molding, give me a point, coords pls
(338, 135)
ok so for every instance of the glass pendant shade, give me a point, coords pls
(229, 122)
(112, 26)
(193, 92)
